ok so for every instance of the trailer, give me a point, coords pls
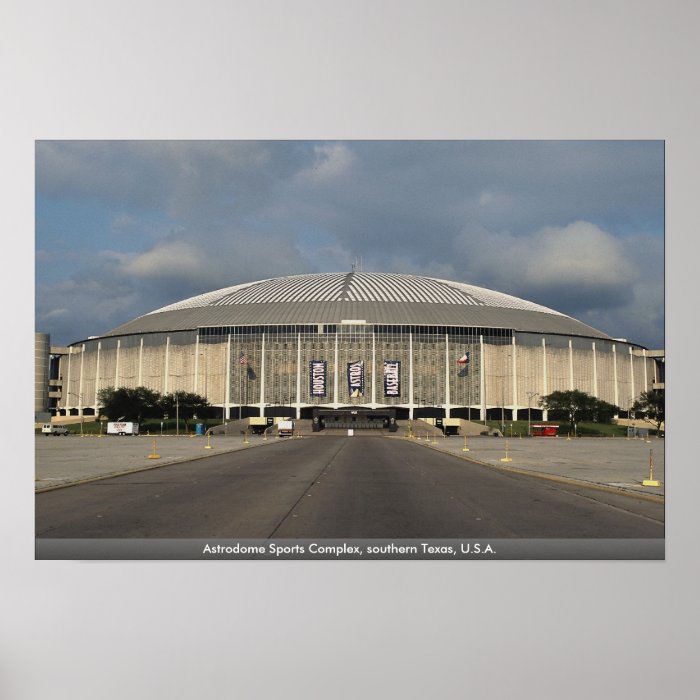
(285, 428)
(258, 425)
(122, 428)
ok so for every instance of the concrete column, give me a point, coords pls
(410, 376)
(166, 378)
(545, 391)
(262, 378)
(633, 393)
(617, 391)
(646, 383)
(515, 384)
(81, 398)
(97, 375)
(571, 366)
(448, 399)
(196, 365)
(141, 366)
(335, 374)
(298, 402)
(374, 372)
(482, 379)
(227, 389)
(595, 372)
(116, 366)
(66, 384)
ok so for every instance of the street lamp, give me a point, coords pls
(530, 396)
(630, 417)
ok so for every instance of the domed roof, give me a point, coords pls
(372, 297)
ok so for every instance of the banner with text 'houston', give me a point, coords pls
(317, 377)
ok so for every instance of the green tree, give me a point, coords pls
(602, 412)
(568, 405)
(652, 404)
(128, 403)
(576, 406)
(184, 405)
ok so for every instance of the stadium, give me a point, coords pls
(419, 346)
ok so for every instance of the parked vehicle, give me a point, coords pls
(258, 425)
(122, 428)
(50, 429)
(285, 428)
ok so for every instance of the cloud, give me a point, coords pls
(331, 161)
(578, 266)
(554, 222)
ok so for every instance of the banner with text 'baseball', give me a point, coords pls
(392, 378)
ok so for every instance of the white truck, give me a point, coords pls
(122, 428)
(285, 428)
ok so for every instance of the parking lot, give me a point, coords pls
(615, 463)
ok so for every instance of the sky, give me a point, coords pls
(125, 227)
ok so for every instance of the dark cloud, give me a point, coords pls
(566, 224)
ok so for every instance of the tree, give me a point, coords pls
(652, 404)
(184, 405)
(603, 412)
(129, 404)
(576, 406)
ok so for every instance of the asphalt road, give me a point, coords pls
(339, 487)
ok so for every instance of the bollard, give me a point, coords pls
(651, 481)
(208, 445)
(465, 448)
(506, 458)
(153, 454)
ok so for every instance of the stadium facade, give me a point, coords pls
(422, 346)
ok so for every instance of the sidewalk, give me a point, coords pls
(616, 463)
(62, 461)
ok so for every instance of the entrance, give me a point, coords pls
(354, 418)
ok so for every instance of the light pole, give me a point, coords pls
(630, 417)
(530, 396)
(177, 414)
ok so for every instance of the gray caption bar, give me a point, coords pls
(350, 549)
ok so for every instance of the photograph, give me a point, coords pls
(359, 349)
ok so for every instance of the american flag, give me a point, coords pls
(243, 359)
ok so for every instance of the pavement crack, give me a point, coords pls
(306, 493)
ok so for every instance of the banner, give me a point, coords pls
(356, 378)
(317, 377)
(392, 378)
